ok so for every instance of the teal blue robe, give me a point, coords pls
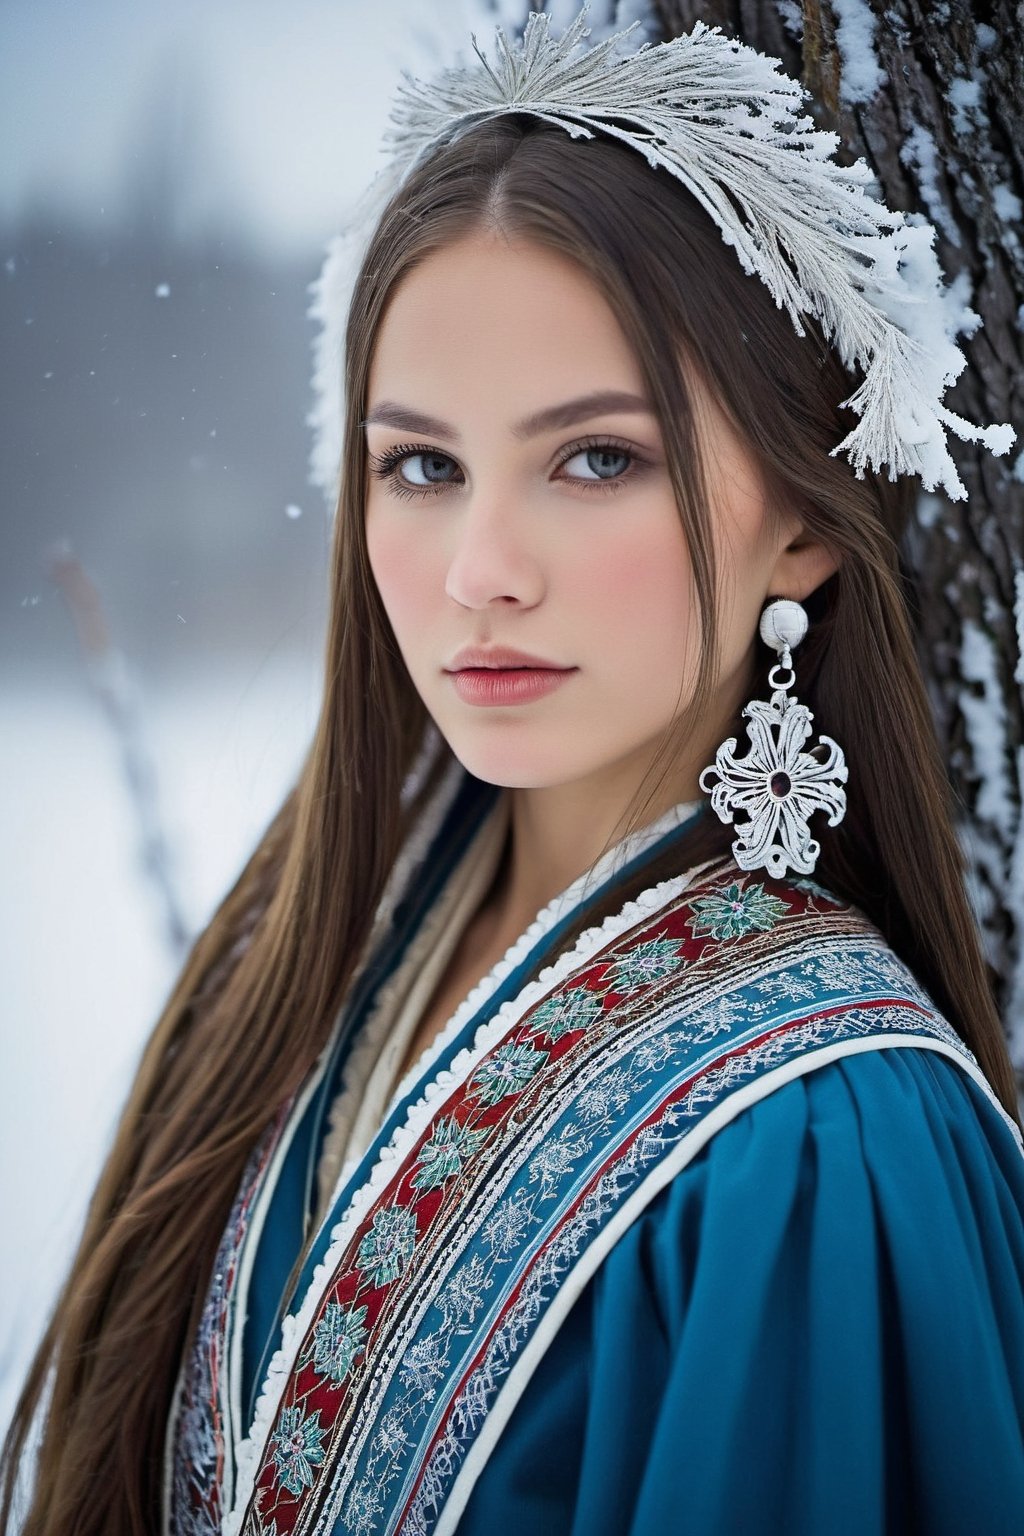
(816, 1325)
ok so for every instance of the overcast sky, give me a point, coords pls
(280, 107)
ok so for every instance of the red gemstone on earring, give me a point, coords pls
(781, 784)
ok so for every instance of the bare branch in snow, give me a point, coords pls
(119, 696)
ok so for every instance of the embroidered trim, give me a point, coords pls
(379, 1021)
(665, 1170)
(502, 1085)
(195, 1486)
(200, 1418)
(403, 1250)
(418, 1115)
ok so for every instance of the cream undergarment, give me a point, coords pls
(359, 1111)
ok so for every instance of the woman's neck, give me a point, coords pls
(553, 838)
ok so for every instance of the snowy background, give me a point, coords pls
(170, 177)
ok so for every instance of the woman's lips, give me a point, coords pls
(513, 685)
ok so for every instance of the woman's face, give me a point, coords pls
(529, 506)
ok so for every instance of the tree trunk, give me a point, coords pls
(929, 94)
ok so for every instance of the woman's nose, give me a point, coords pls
(494, 556)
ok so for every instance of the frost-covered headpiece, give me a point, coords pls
(726, 122)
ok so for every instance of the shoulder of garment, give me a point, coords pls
(817, 1325)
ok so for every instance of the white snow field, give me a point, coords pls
(86, 967)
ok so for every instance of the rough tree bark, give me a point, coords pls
(929, 92)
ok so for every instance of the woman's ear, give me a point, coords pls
(803, 563)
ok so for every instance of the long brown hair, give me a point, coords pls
(258, 995)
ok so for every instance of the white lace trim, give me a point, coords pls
(362, 1102)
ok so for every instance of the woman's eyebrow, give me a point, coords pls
(388, 413)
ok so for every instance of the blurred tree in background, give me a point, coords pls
(929, 93)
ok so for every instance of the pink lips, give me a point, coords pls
(499, 656)
(514, 685)
(499, 675)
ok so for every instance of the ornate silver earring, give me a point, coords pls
(777, 785)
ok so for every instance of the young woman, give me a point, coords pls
(521, 1148)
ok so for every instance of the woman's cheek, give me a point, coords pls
(642, 582)
(402, 570)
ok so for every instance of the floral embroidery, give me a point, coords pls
(197, 1434)
(654, 1053)
(785, 984)
(337, 1340)
(198, 1455)
(391, 1439)
(507, 1071)
(462, 1296)
(388, 1246)
(263, 1527)
(735, 910)
(646, 963)
(566, 1011)
(424, 1364)
(612, 1091)
(443, 1154)
(504, 1230)
(724, 1014)
(836, 972)
(297, 1448)
(362, 1507)
(556, 1158)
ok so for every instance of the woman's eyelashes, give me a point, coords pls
(605, 465)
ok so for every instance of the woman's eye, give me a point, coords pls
(412, 471)
(427, 468)
(600, 463)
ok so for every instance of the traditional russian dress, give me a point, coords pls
(713, 1226)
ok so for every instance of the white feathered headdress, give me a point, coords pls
(726, 122)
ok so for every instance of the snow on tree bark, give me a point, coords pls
(929, 94)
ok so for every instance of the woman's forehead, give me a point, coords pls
(523, 321)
